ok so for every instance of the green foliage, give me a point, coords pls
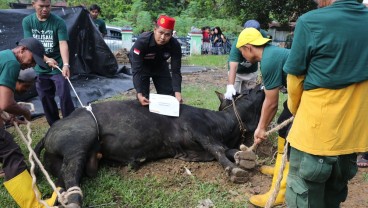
(229, 15)
(4, 4)
(289, 10)
(144, 24)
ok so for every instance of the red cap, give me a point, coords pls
(166, 22)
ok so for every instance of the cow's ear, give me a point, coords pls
(220, 96)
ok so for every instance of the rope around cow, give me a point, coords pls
(88, 108)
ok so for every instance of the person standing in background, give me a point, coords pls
(95, 11)
(206, 40)
(219, 40)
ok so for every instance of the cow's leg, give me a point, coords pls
(237, 175)
(230, 154)
(53, 164)
(94, 157)
(72, 171)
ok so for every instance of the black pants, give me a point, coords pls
(285, 114)
(161, 78)
(11, 156)
(47, 87)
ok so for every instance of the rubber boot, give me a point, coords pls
(20, 188)
(261, 200)
(268, 170)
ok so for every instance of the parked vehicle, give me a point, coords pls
(185, 45)
(113, 38)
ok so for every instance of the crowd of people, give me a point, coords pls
(214, 41)
(327, 100)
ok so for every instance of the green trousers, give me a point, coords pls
(318, 181)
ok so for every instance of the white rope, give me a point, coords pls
(88, 108)
(28, 142)
(276, 190)
(70, 83)
(70, 191)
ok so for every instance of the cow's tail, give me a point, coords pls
(38, 149)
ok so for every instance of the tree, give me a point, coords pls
(264, 11)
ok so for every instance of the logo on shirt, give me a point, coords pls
(136, 51)
(46, 38)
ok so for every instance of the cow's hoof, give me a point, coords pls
(247, 164)
(239, 175)
(245, 159)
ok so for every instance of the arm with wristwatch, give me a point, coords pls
(64, 51)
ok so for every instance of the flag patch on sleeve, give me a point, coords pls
(137, 51)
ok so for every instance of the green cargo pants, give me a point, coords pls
(318, 181)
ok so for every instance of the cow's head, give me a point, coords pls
(248, 104)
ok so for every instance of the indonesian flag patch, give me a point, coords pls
(137, 51)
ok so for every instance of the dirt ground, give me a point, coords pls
(212, 171)
(259, 183)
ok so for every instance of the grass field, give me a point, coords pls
(111, 188)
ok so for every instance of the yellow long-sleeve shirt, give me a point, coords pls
(328, 122)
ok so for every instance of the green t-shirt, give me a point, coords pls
(235, 56)
(9, 69)
(272, 63)
(100, 24)
(330, 53)
(49, 32)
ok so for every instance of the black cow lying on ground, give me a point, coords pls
(129, 134)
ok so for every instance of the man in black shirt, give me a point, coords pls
(149, 56)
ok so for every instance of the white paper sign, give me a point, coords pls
(164, 105)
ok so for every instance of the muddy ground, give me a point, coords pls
(212, 171)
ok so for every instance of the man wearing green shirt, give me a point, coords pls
(52, 32)
(242, 74)
(18, 181)
(328, 86)
(255, 48)
(94, 11)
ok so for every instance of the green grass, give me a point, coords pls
(201, 96)
(365, 177)
(219, 61)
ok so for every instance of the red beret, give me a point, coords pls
(166, 22)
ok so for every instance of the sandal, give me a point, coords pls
(362, 162)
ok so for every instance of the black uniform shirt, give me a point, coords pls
(146, 56)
